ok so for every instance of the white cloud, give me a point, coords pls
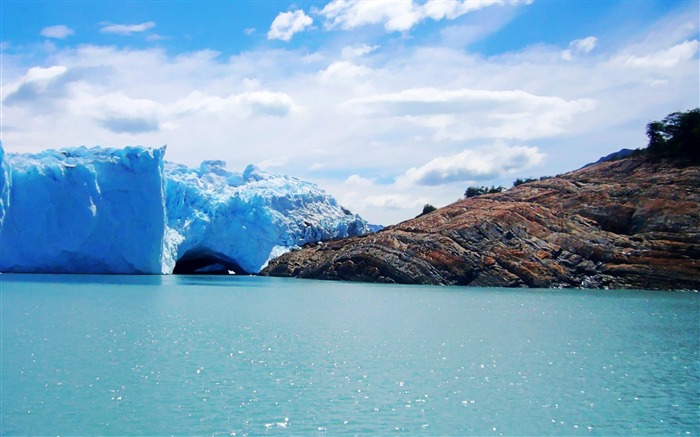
(267, 103)
(393, 201)
(286, 24)
(364, 194)
(119, 113)
(40, 74)
(579, 46)
(399, 16)
(357, 51)
(59, 32)
(250, 84)
(249, 103)
(656, 82)
(468, 113)
(584, 45)
(661, 59)
(343, 70)
(77, 92)
(313, 58)
(126, 29)
(37, 83)
(413, 104)
(349, 14)
(272, 163)
(451, 9)
(358, 181)
(473, 165)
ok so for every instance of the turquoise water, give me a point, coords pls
(260, 356)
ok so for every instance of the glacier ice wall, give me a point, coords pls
(245, 219)
(128, 211)
(4, 185)
(85, 211)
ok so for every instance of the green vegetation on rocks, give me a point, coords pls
(676, 137)
(478, 191)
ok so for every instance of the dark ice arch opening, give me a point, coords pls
(206, 262)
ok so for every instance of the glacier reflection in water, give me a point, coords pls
(245, 355)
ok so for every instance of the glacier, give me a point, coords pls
(244, 220)
(4, 186)
(128, 211)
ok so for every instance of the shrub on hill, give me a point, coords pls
(478, 191)
(427, 209)
(520, 181)
(677, 136)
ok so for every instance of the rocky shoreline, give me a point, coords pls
(631, 223)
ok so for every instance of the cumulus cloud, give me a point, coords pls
(342, 70)
(131, 125)
(357, 51)
(349, 14)
(251, 103)
(79, 92)
(661, 59)
(393, 201)
(584, 45)
(40, 74)
(286, 24)
(358, 181)
(365, 194)
(38, 84)
(578, 47)
(126, 29)
(406, 111)
(468, 113)
(267, 103)
(119, 113)
(656, 82)
(474, 165)
(399, 16)
(451, 9)
(122, 114)
(59, 32)
(272, 163)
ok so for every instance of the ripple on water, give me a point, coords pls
(311, 359)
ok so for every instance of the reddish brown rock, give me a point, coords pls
(623, 224)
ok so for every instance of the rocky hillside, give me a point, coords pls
(630, 223)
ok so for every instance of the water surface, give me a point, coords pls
(127, 355)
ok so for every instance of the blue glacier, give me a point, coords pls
(4, 185)
(128, 211)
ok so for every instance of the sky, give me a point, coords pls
(387, 105)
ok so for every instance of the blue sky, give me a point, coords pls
(234, 26)
(386, 104)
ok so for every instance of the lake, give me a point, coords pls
(222, 355)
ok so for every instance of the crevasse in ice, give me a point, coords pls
(98, 210)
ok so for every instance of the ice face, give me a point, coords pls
(85, 211)
(245, 219)
(4, 185)
(127, 211)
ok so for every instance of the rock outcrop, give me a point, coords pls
(630, 223)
